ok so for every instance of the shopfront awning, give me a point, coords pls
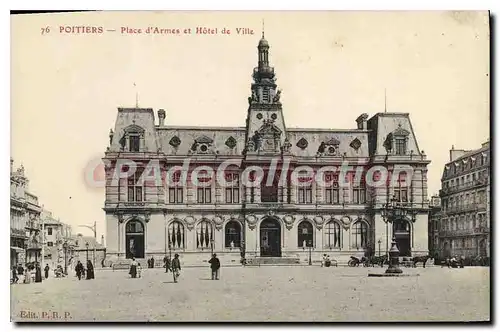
(17, 249)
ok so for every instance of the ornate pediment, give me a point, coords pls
(134, 129)
(332, 141)
(400, 131)
(203, 139)
(269, 128)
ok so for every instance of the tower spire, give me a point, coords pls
(385, 100)
(136, 96)
(262, 28)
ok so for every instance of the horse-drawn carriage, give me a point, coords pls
(383, 260)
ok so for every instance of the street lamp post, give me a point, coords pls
(87, 246)
(393, 211)
(170, 250)
(94, 229)
(65, 246)
(212, 246)
(379, 242)
(310, 250)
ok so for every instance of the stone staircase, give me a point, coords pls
(257, 261)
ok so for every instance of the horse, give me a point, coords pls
(420, 259)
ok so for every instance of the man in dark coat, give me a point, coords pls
(79, 269)
(90, 270)
(152, 262)
(38, 273)
(15, 278)
(20, 270)
(214, 266)
(46, 269)
(168, 264)
(176, 267)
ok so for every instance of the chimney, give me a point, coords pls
(161, 116)
(361, 121)
(11, 165)
(455, 154)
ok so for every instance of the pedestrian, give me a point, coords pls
(168, 264)
(133, 268)
(15, 278)
(38, 273)
(20, 270)
(214, 266)
(27, 276)
(79, 270)
(152, 262)
(176, 267)
(139, 270)
(90, 270)
(46, 269)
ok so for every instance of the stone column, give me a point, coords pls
(257, 194)
(219, 194)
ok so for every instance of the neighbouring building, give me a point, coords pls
(25, 227)
(434, 223)
(58, 242)
(87, 248)
(274, 218)
(465, 199)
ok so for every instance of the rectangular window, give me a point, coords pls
(134, 186)
(332, 188)
(134, 142)
(204, 195)
(176, 191)
(400, 146)
(305, 195)
(233, 191)
(50, 244)
(49, 231)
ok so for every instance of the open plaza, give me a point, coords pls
(266, 293)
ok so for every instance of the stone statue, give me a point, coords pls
(254, 96)
(257, 140)
(287, 145)
(250, 145)
(277, 96)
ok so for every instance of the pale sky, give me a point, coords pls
(331, 66)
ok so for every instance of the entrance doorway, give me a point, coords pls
(402, 233)
(270, 238)
(134, 239)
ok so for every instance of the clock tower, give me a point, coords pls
(265, 126)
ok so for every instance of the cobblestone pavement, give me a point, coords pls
(269, 293)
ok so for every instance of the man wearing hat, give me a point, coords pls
(176, 267)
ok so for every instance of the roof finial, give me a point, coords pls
(385, 100)
(262, 28)
(136, 97)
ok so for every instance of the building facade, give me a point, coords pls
(434, 224)
(288, 213)
(465, 200)
(58, 240)
(25, 226)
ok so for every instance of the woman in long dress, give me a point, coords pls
(133, 268)
(90, 270)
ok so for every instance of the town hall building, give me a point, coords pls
(277, 217)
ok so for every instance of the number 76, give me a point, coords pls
(45, 30)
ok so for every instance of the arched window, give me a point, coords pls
(332, 235)
(176, 235)
(305, 234)
(359, 235)
(233, 234)
(134, 227)
(204, 234)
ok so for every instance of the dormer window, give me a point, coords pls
(134, 142)
(133, 138)
(397, 141)
(400, 143)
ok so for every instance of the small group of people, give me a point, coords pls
(455, 261)
(326, 261)
(135, 269)
(151, 263)
(173, 266)
(87, 273)
(27, 272)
